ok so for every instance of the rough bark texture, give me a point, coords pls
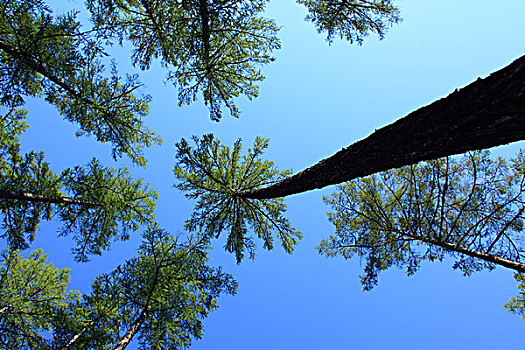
(488, 112)
(30, 197)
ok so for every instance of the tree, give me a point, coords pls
(350, 19)
(486, 113)
(517, 305)
(470, 208)
(50, 57)
(33, 293)
(95, 204)
(211, 47)
(162, 295)
(214, 175)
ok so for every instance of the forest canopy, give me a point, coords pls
(92, 66)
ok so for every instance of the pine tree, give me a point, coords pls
(95, 204)
(214, 48)
(161, 296)
(486, 113)
(214, 174)
(470, 208)
(33, 294)
(158, 297)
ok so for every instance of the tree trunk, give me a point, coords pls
(133, 329)
(30, 197)
(511, 264)
(488, 112)
(77, 336)
(37, 67)
(203, 13)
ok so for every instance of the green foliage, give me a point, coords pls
(210, 46)
(120, 206)
(404, 216)
(33, 292)
(12, 126)
(352, 20)
(216, 176)
(517, 305)
(169, 282)
(95, 204)
(17, 171)
(29, 174)
(48, 56)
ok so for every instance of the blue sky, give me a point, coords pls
(318, 98)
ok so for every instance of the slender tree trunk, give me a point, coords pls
(30, 197)
(473, 253)
(77, 336)
(203, 12)
(133, 329)
(488, 112)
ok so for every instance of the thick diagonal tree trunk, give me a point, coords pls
(488, 112)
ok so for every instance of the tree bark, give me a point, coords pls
(203, 12)
(133, 329)
(30, 197)
(486, 113)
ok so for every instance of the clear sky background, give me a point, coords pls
(318, 98)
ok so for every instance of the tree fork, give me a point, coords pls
(486, 113)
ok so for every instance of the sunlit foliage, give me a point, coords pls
(209, 47)
(33, 293)
(215, 175)
(352, 20)
(517, 304)
(47, 56)
(162, 295)
(95, 204)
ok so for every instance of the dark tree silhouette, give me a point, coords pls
(486, 113)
